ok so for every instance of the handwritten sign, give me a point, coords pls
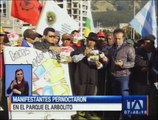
(49, 76)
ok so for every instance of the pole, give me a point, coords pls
(81, 19)
(133, 16)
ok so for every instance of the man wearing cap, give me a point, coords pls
(144, 62)
(144, 80)
(101, 40)
(88, 62)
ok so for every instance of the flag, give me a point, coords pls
(54, 16)
(1, 30)
(145, 20)
(89, 27)
(26, 10)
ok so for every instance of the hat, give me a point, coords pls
(101, 34)
(66, 37)
(92, 36)
(149, 37)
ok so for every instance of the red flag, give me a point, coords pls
(26, 10)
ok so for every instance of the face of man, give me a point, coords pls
(76, 37)
(51, 37)
(119, 38)
(148, 45)
(110, 40)
(67, 42)
(91, 44)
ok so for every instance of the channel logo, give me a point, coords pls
(135, 105)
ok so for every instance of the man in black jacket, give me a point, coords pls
(48, 44)
(144, 79)
(88, 62)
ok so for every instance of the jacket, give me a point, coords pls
(142, 61)
(126, 53)
(44, 47)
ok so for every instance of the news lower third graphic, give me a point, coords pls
(135, 105)
(66, 103)
(129, 105)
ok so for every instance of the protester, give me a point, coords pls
(101, 43)
(29, 38)
(2, 35)
(101, 72)
(86, 80)
(3, 99)
(105, 84)
(145, 59)
(76, 39)
(66, 40)
(48, 44)
(122, 58)
(144, 80)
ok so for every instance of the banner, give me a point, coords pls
(49, 76)
(26, 10)
(54, 16)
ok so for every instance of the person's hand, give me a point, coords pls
(119, 63)
(103, 57)
(87, 51)
(69, 59)
(98, 64)
(16, 91)
(144, 69)
(156, 85)
(13, 83)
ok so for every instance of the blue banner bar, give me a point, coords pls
(66, 99)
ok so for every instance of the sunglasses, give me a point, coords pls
(52, 36)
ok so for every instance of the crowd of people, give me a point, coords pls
(101, 64)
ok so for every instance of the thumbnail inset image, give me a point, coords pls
(18, 79)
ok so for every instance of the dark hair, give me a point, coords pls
(119, 30)
(46, 30)
(18, 71)
(29, 33)
(109, 34)
(74, 31)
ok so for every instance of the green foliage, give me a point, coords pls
(113, 12)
